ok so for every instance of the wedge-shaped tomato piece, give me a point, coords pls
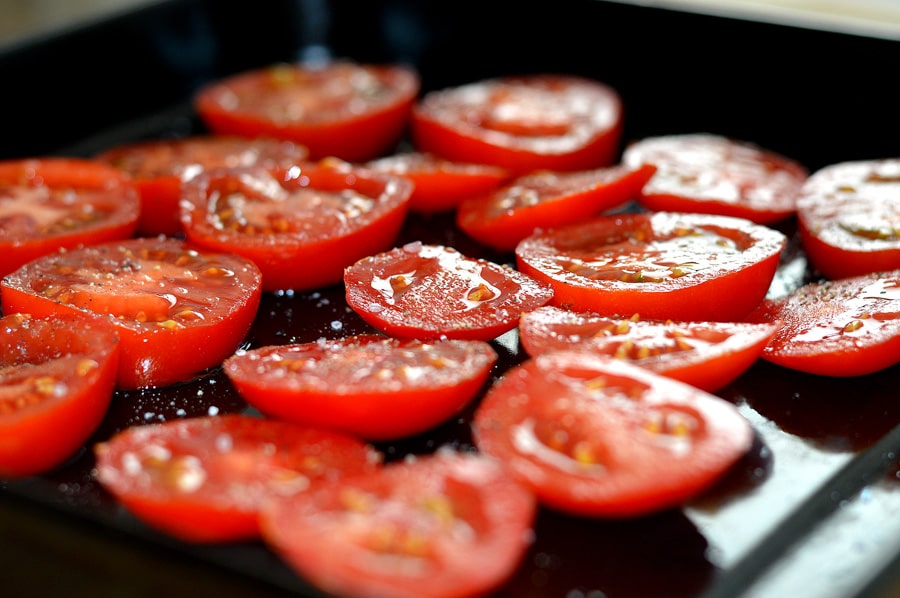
(845, 327)
(439, 526)
(177, 310)
(849, 217)
(303, 225)
(432, 291)
(49, 204)
(707, 355)
(600, 437)
(712, 174)
(57, 377)
(663, 266)
(369, 385)
(545, 199)
(205, 479)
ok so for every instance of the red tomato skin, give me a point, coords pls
(116, 195)
(82, 355)
(150, 355)
(325, 541)
(334, 395)
(632, 471)
(712, 294)
(351, 136)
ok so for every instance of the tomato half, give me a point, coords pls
(178, 311)
(302, 225)
(849, 217)
(662, 266)
(375, 387)
(440, 185)
(545, 199)
(159, 167)
(711, 174)
(707, 355)
(443, 525)
(432, 292)
(600, 437)
(205, 479)
(57, 377)
(355, 112)
(522, 123)
(846, 327)
(51, 203)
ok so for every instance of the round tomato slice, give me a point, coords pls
(708, 355)
(663, 266)
(522, 123)
(846, 327)
(600, 437)
(57, 377)
(205, 479)
(439, 526)
(432, 292)
(375, 387)
(48, 204)
(303, 225)
(711, 174)
(355, 112)
(849, 218)
(159, 168)
(440, 185)
(178, 311)
(545, 199)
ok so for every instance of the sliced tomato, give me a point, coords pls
(375, 387)
(708, 355)
(302, 225)
(57, 377)
(600, 437)
(433, 291)
(522, 123)
(711, 174)
(205, 479)
(849, 217)
(178, 311)
(159, 168)
(353, 111)
(545, 199)
(48, 204)
(663, 266)
(440, 185)
(439, 526)
(846, 327)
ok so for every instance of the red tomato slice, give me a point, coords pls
(546, 199)
(51, 203)
(710, 174)
(663, 266)
(301, 226)
(846, 327)
(534, 122)
(432, 292)
(708, 355)
(57, 377)
(849, 218)
(368, 385)
(599, 437)
(352, 111)
(178, 311)
(440, 526)
(440, 185)
(205, 479)
(160, 167)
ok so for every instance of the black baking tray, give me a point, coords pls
(813, 510)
